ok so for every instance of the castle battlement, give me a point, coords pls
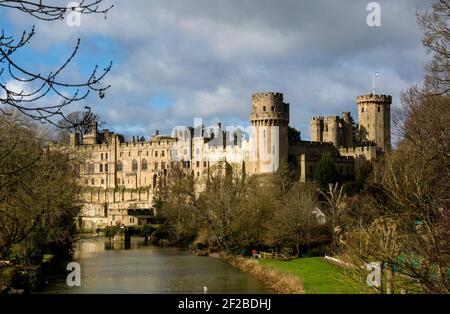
(268, 95)
(374, 98)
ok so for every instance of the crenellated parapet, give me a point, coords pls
(269, 109)
(374, 98)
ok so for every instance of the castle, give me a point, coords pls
(119, 177)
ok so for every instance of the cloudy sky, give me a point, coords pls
(179, 59)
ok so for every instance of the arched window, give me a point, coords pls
(106, 167)
(134, 166)
(119, 166)
(144, 164)
(101, 168)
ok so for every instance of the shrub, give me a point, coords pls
(111, 231)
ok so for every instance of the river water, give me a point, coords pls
(107, 267)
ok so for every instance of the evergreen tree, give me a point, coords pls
(326, 171)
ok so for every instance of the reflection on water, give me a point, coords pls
(110, 267)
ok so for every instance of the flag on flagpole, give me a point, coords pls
(375, 75)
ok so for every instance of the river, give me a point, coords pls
(107, 267)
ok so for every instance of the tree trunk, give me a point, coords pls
(389, 279)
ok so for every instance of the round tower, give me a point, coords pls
(270, 120)
(374, 119)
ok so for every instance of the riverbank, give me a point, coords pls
(273, 279)
(317, 275)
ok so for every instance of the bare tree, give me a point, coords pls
(81, 122)
(336, 207)
(38, 192)
(34, 86)
(436, 31)
(294, 219)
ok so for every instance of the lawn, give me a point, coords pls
(318, 276)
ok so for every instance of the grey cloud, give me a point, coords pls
(211, 55)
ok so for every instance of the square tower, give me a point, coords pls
(374, 119)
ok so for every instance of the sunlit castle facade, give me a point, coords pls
(120, 177)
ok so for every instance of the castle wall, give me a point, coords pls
(308, 164)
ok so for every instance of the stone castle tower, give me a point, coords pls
(374, 118)
(333, 129)
(269, 119)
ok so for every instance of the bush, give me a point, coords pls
(147, 230)
(111, 231)
(287, 251)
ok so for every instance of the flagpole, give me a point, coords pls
(373, 80)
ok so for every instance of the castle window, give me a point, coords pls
(198, 174)
(103, 181)
(90, 169)
(264, 108)
(101, 156)
(156, 153)
(106, 156)
(129, 154)
(204, 164)
(362, 109)
(273, 108)
(92, 181)
(134, 165)
(106, 167)
(144, 165)
(163, 165)
(198, 164)
(379, 109)
(162, 153)
(119, 166)
(101, 168)
(156, 165)
(147, 153)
